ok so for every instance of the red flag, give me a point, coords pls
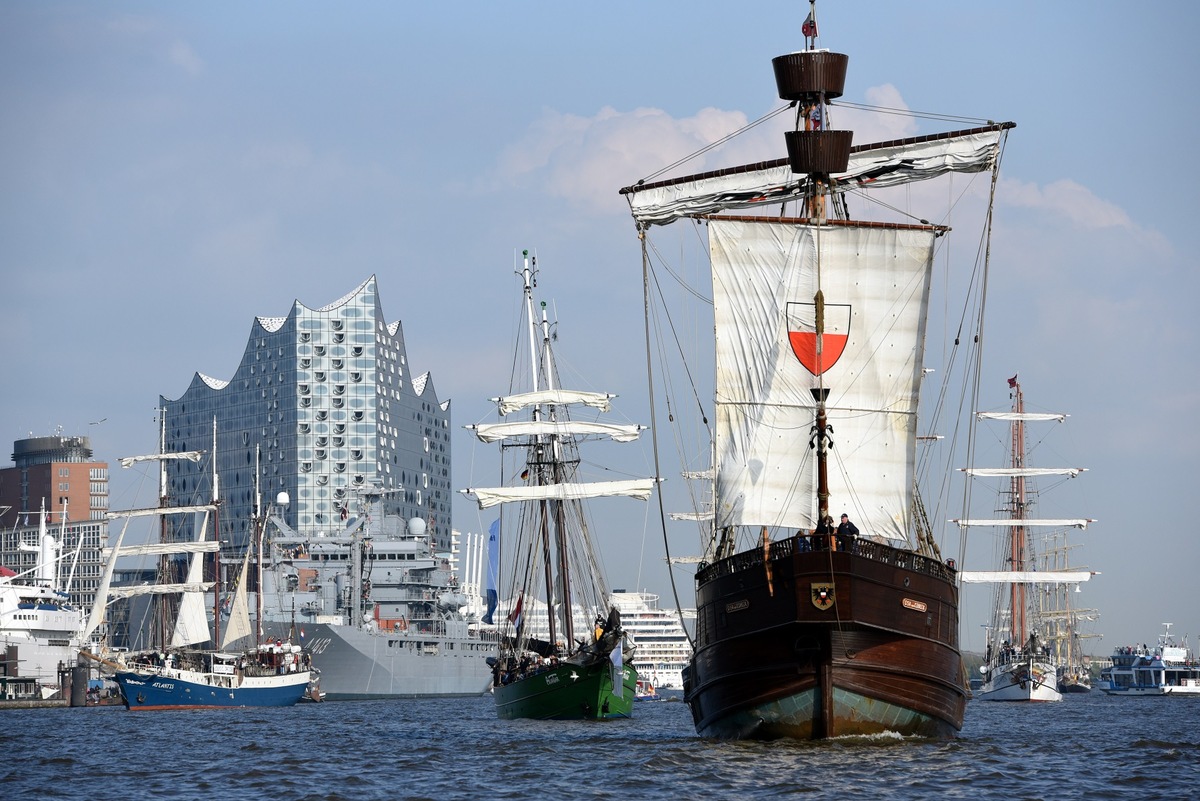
(809, 28)
(514, 616)
(1012, 382)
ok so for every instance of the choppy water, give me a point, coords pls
(1087, 746)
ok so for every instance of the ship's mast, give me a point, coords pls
(541, 446)
(560, 522)
(216, 501)
(1018, 507)
(260, 525)
(809, 80)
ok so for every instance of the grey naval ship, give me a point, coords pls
(380, 612)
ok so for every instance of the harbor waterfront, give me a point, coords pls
(455, 748)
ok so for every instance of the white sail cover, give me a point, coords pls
(1023, 577)
(165, 548)
(159, 511)
(695, 517)
(1034, 417)
(191, 625)
(875, 281)
(191, 456)
(636, 488)
(1073, 522)
(886, 164)
(1025, 472)
(558, 397)
(238, 626)
(494, 432)
(161, 589)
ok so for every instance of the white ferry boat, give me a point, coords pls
(39, 626)
(662, 645)
(1167, 669)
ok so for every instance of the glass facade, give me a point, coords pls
(325, 404)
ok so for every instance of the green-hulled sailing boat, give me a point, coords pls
(563, 653)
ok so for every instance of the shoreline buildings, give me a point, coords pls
(56, 476)
(53, 532)
(324, 406)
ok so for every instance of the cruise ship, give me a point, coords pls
(662, 645)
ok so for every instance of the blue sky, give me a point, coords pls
(171, 171)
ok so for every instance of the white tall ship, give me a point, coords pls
(1019, 664)
(39, 626)
(662, 648)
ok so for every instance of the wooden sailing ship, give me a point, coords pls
(820, 326)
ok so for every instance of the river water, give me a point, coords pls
(1089, 746)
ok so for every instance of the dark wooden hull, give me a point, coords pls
(877, 653)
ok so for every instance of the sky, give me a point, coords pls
(168, 172)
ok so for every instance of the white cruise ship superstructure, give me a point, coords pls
(663, 648)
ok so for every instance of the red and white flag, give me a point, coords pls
(809, 28)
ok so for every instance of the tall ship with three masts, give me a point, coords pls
(184, 668)
(1024, 656)
(820, 324)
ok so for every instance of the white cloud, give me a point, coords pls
(182, 55)
(577, 158)
(1069, 199)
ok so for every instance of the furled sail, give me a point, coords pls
(875, 283)
(1036, 417)
(168, 548)
(1025, 472)
(1071, 522)
(559, 397)
(1024, 576)
(634, 488)
(191, 456)
(494, 432)
(161, 589)
(876, 165)
(159, 511)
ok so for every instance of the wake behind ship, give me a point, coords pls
(805, 629)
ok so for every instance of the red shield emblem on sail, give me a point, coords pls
(818, 352)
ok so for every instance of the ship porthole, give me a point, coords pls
(906, 581)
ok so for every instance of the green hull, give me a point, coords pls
(568, 692)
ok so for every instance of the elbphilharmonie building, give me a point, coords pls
(324, 406)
